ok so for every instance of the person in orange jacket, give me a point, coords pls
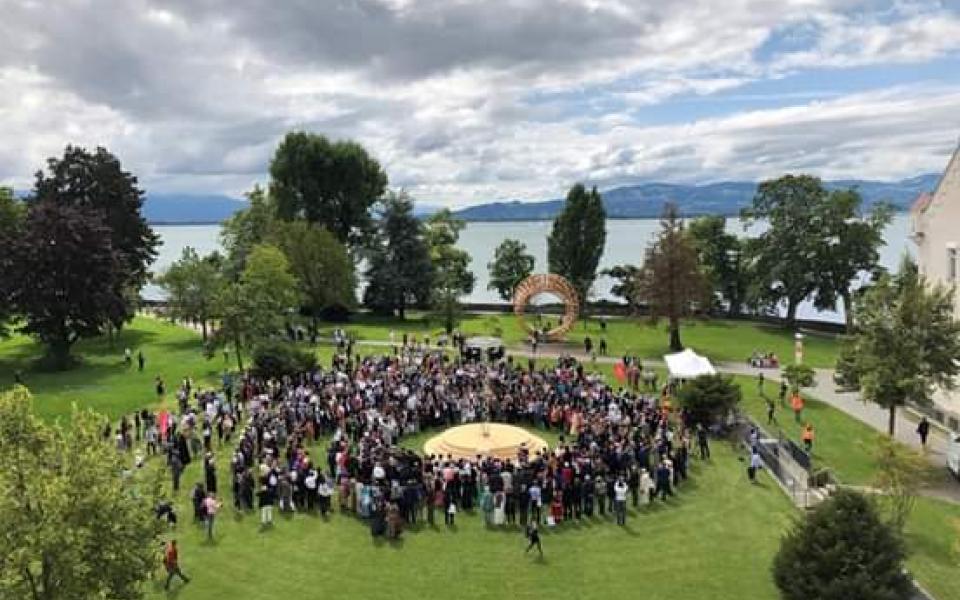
(796, 403)
(808, 437)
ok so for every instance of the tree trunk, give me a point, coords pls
(791, 318)
(675, 344)
(847, 311)
(734, 309)
(893, 419)
(236, 348)
(58, 353)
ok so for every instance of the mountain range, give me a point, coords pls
(644, 200)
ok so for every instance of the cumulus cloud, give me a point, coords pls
(470, 101)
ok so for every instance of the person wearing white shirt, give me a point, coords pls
(620, 501)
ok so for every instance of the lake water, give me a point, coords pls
(626, 241)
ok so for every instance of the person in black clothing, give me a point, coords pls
(210, 473)
(923, 430)
(663, 482)
(141, 360)
(198, 495)
(702, 442)
(533, 535)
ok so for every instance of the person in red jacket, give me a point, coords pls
(171, 560)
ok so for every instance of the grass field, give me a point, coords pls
(720, 340)
(716, 540)
(713, 540)
(841, 443)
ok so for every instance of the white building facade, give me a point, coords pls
(936, 233)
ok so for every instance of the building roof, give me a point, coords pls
(921, 203)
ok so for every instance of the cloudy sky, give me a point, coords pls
(472, 101)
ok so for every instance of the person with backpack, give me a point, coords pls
(171, 562)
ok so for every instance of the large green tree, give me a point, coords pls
(906, 341)
(627, 284)
(452, 277)
(12, 213)
(96, 182)
(671, 281)
(333, 184)
(511, 264)
(399, 273)
(577, 239)
(255, 307)
(320, 263)
(72, 528)
(247, 228)
(64, 272)
(721, 256)
(193, 284)
(842, 551)
(789, 249)
(849, 246)
(709, 398)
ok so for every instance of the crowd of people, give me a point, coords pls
(616, 447)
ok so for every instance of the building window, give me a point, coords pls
(952, 266)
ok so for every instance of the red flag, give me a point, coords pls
(620, 371)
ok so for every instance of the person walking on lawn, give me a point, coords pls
(171, 561)
(796, 403)
(923, 430)
(533, 535)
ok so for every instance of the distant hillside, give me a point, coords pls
(725, 198)
(635, 201)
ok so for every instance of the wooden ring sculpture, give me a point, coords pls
(548, 283)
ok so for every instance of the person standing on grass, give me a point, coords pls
(755, 464)
(211, 505)
(771, 410)
(796, 403)
(127, 357)
(265, 501)
(171, 561)
(620, 500)
(923, 430)
(703, 442)
(808, 437)
(141, 360)
(783, 393)
(760, 382)
(533, 536)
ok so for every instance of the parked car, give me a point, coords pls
(953, 455)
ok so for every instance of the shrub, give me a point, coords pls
(275, 359)
(709, 398)
(842, 551)
(798, 376)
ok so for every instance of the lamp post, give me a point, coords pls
(798, 348)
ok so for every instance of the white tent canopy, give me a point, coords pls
(688, 365)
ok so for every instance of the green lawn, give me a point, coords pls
(102, 381)
(842, 443)
(716, 537)
(720, 340)
(933, 538)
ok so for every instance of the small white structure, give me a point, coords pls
(688, 365)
